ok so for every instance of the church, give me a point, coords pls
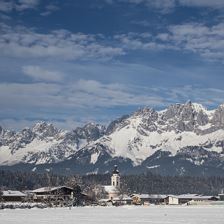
(113, 190)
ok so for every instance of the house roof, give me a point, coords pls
(49, 189)
(125, 198)
(186, 196)
(151, 196)
(10, 193)
(194, 196)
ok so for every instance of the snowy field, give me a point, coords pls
(116, 215)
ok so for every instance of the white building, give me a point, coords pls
(113, 190)
(115, 178)
(172, 200)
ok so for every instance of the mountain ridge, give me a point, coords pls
(188, 133)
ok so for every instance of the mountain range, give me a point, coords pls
(183, 139)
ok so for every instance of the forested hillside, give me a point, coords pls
(144, 183)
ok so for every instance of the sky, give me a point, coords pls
(72, 62)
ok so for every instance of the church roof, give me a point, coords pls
(115, 170)
(110, 189)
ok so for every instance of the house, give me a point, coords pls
(146, 199)
(62, 195)
(13, 196)
(105, 202)
(171, 200)
(122, 200)
(56, 193)
(221, 197)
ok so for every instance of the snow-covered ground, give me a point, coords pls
(115, 215)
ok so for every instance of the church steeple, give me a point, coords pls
(115, 178)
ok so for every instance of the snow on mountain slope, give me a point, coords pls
(182, 125)
(44, 143)
(134, 138)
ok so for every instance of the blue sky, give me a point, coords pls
(76, 61)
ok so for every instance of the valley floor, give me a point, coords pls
(115, 215)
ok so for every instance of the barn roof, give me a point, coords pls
(49, 189)
(10, 193)
(151, 196)
(195, 196)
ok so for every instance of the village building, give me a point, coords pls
(123, 200)
(171, 200)
(195, 199)
(63, 192)
(146, 199)
(61, 195)
(13, 196)
(221, 197)
(113, 190)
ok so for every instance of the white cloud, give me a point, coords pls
(20, 5)
(27, 4)
(6, 6)
(19, 124)
(203, 3)
(90, 94)
(162, 5)
(62, 44)
(167, 5)
(49, 9)
(201, 39)
(40, 74)
(143, 41)
(83, 98)
(206, 41)
(84, 94)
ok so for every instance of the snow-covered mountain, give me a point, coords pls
(44, 143)
(182, 139)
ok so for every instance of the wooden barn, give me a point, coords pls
(13, 196)
(61, 195)
(60, 192)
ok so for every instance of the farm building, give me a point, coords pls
(45, 192)
(145, 199)
(221, 196)
(13, 196)
(122, 200)
(186, 198)
(171, 200)
(62, 194)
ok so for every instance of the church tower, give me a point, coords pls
(115, 178)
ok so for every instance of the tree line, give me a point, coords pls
(144, 183)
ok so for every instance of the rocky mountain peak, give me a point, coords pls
(1, 130)
(90, 131)
(44, 129)
(181, 130)
(218, 117)
(117, 124)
